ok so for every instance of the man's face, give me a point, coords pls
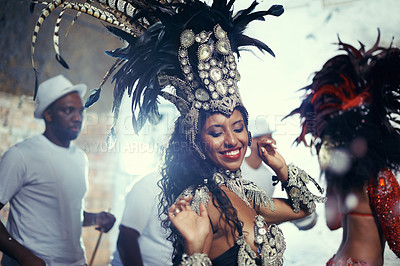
(65, 116)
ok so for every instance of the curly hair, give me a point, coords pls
(183, 167)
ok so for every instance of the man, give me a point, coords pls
(142, 240)
(252, 167)
(44, 179)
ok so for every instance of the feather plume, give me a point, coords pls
(355, 96)
(152, 30)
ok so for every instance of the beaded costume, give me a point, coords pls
(350, 110)
(269, 238)
(186, 52)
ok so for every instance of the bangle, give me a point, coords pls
(197, 259)
(296, 188)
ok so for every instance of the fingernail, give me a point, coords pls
(262, 149)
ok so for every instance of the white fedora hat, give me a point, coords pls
(52, 90)
(258, 126)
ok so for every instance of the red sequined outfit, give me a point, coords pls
(384, 195)
(345, 262)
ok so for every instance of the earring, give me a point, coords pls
(250, 138)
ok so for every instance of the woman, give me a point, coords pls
(350, 112)
(186, 52)
(232, 223)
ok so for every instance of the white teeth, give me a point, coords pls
(231, 153)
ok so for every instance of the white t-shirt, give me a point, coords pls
(45, 185)
(141, 214)
(261, 176)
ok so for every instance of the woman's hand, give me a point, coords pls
(268, 153)
(193, 227)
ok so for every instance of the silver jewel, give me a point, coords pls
(202, 95)
(205, 52)
(187, 38)
(223, 47)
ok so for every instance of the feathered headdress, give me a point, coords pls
(182, 50)
(351, 111)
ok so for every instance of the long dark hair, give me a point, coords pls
(183, 167)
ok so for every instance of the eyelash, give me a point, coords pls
(217, 134)
(239, 129)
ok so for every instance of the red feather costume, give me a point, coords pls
(357, 95)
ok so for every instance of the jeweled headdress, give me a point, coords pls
(351, 109)
(183, 50)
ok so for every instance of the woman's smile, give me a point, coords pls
(232, 154)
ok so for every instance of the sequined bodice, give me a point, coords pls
(269, 239)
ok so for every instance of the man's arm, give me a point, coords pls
(15, 250)
(128, 246)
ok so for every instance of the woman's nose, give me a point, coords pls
(230, 139)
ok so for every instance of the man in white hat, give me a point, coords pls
(44, 179)
(253, 168)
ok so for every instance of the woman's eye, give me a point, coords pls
(215, 134)
(238, 130)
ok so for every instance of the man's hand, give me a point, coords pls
(104, 221)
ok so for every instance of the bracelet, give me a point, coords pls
(296, 188)
(197, 259)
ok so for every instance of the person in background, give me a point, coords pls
(351, 111)
(44, 178)
(141, 239)
(255, 170)
(253, 167)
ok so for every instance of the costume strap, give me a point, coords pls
(296, 188)
(384, 196)
(197, 259)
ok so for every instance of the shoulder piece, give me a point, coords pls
(200, 194)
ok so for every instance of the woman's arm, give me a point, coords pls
(282, 212)
(300, 202)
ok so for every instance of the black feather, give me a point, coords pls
(62, 61)
(32, 6)
(36, 83)
(93, 97)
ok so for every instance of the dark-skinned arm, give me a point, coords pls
(128, 246)
(15, 250)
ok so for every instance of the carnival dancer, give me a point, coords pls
(186, 52)
(350, 112)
